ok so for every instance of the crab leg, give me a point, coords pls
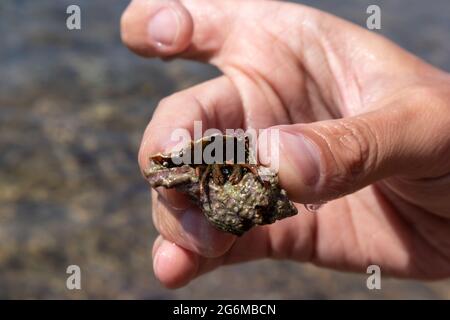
(217, 174)
(204, 178)
(236, 174)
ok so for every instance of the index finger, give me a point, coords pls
(215, 103)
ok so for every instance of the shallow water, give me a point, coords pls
(73, 106)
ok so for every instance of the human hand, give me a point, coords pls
(358, 116)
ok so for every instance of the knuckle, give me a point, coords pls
(173, 99)
(171, 104)
(351, 150)
(164, 102)
(357, 145)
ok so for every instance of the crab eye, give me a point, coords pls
(165, 164)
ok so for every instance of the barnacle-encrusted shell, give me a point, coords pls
(237, 208)
(234, 208)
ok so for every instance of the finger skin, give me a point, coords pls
(272, 85)
(173, 265)
(216, 103)
(209, 19)
(174, 216)
(287, 240)
(328, 159)
(135, 27)
(189, 229)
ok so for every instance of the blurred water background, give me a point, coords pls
(73, 106)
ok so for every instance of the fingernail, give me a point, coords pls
(163, 27)
(303, 155)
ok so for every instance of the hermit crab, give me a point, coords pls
(233, 191)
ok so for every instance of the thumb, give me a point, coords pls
(325, 160)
